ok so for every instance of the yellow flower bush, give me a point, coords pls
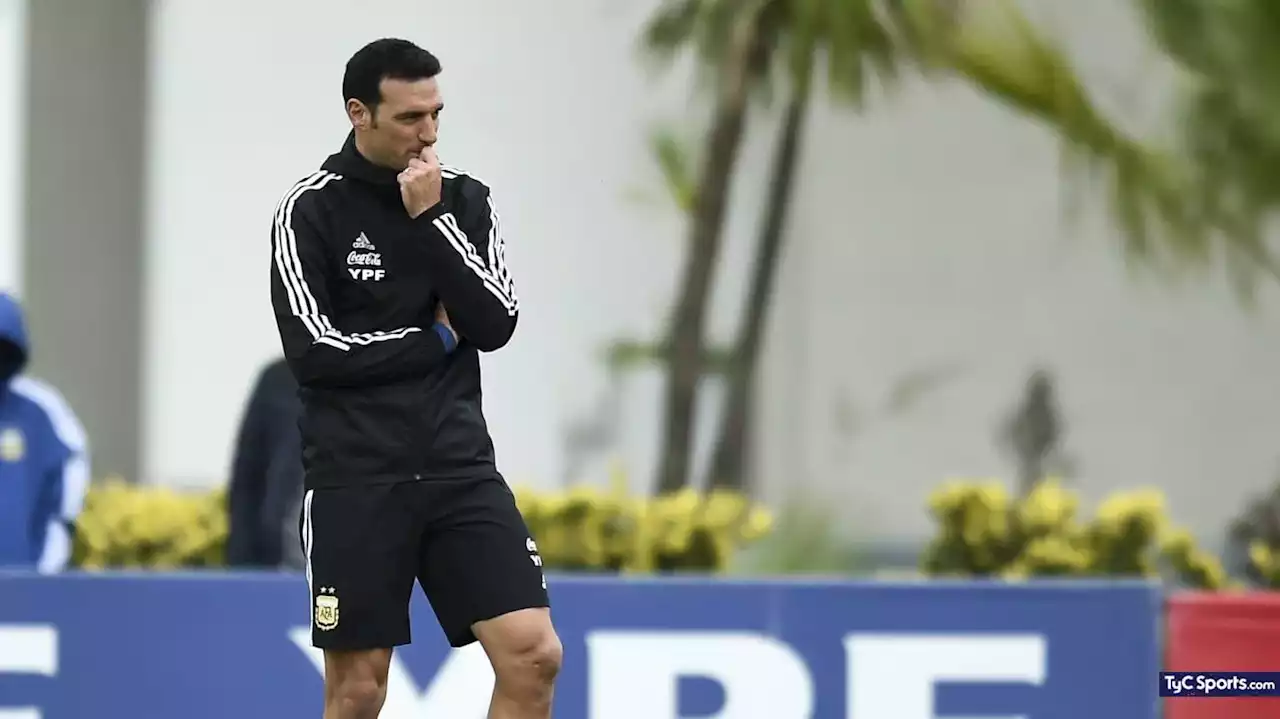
(131, 526)
(982, 531)
(584, 529)
(592, 529)
(985, 531)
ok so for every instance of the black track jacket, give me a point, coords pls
(386, 397)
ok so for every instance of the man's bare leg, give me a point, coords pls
(525, 653)
(355, 683)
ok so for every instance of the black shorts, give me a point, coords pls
(463, 540)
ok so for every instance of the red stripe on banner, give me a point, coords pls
(1223, 632)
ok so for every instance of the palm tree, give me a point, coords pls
(738, 42)
(1229, 116)
(729, 454)
(858, 50)
(985, 42)
(727, 36)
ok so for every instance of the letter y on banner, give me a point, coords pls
(460, 687)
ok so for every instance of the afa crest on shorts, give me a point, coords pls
(326, 611)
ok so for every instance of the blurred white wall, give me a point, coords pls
(12, 71)
(925, 236)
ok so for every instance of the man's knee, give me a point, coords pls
(529, 670)
(525, 651)
(356, 682)
(543, 658)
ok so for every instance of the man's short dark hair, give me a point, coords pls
(385, 59)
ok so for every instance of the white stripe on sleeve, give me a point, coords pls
(75, 473)
(495, 276)
(301, 300)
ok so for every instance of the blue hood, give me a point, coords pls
(13, 331)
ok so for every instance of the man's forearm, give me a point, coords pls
(475, 287)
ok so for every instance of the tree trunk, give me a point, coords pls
(729, 460)
(684, 370)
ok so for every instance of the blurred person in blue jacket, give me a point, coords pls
(44, 458)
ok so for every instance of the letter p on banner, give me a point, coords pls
(637, 673)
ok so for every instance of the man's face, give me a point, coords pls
(11, 360)
(404, 123)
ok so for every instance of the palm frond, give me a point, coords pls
(1179, 26)
(671, 28)
(701, 26)
(1228, 117)
(1152, 192)
(672, 154)
(1202, 201)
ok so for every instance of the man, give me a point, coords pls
(265, 491)
(44, 458)
(401, 481)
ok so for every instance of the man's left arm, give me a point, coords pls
(468, 260)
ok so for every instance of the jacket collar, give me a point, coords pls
(348, 162)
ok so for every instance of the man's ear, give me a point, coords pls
(360, 115)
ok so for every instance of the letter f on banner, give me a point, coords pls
(27, 649)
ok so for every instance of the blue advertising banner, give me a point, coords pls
(217, 646)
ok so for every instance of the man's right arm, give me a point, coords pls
(318, 353)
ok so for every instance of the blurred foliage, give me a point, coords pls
(624, 354)
(584, 529)
(983, 530)
(1195, 203)
(592, 529)
(1254, 538)
(130, 526)
(1264, 564)
(671, 154)
(1228, 115)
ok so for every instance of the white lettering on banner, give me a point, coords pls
(634, 674)
(460, 688)
(892, 676)
(27, 649)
